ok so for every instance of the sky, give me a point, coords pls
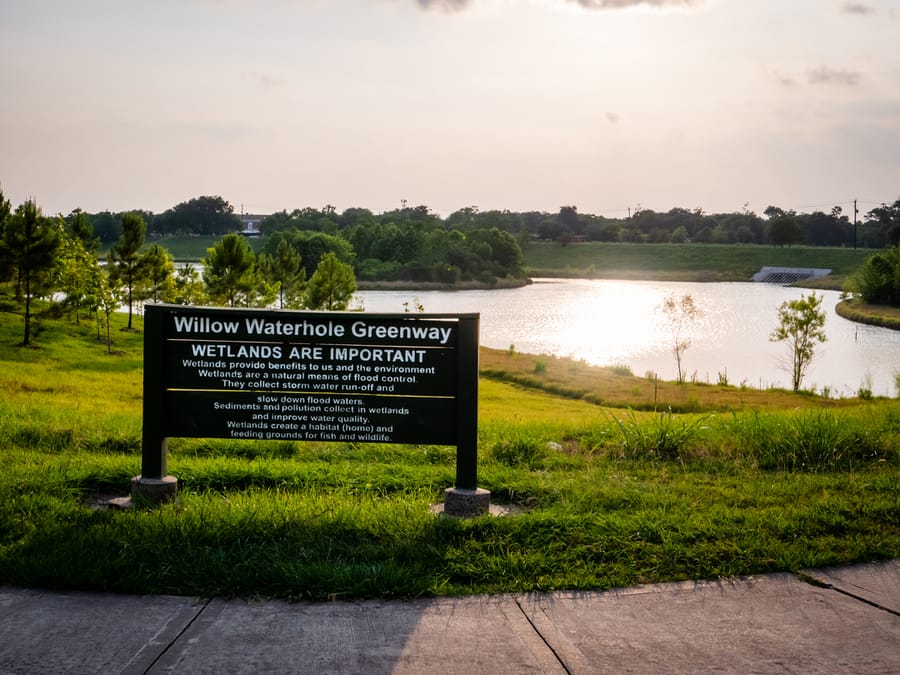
(528, 105)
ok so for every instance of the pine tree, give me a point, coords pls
(30, 242)
(332, 285)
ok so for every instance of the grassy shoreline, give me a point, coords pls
(873, 315)
(607, 489)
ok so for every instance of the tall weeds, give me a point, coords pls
(811, 440)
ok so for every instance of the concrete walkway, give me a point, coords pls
(841, 620)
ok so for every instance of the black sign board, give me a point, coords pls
(309, 376)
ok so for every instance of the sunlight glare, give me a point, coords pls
(615, 323)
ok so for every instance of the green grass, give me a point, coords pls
(875, 315)
(682, 262)
(601, 496)
(616, 387)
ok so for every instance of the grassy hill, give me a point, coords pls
(683, 262)
(674, 262)
(602, 487)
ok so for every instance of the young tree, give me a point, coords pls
(124, 259)
(30, 243)
(801, 325)
(156, 271)
(80, 227)
(285, 269)
(189, 288)
(332, 286)
(6, 267)
(106, 301)
(229, 271)
(76, 270)
(680, 314)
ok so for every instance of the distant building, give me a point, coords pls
(250, 223)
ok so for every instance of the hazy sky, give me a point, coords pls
(515, 104)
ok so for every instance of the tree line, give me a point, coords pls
(212, 215)
(42, 257)
(312, 258)
(776, 227)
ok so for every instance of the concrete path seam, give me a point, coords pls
(813, 581)
(543, 638)
(569, 655)
(547, 660)
(175, 639)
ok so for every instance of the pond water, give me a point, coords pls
(609, 322)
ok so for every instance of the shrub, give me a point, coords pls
(878, 282)
(520, 452)
(661, 437)
(809, 441)
(621, 369)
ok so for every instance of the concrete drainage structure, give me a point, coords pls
(788, 275)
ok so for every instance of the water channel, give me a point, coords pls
(608, 322)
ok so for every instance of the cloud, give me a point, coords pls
(622, 4)
(263, 79)
(784, 79)
(859, 8)
(458, 5)
(825, 75)
(443, 5)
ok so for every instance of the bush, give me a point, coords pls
(520, 452)
(809, 441)
(661, 437)
(878, 282)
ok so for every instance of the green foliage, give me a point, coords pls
(502, 255)
(77, 270)
(189, 287)
(201, 215)
(229, 271)
(79, 226)
(801, 326)
(599, 503)
(664, 436)
(621, 369)
(105, 302)
(783, 228)
(157, 272)
(522, 451)
(124, 259)
(311, 246)
(28, 245)
(878, 281)
(284, 269)
(332, 285)
(814, 440)
(680, 315)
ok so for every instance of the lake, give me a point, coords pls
(609, 322)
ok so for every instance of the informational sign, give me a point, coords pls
(308, 376)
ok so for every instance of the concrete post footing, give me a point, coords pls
(466, 503)
(154, 490)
